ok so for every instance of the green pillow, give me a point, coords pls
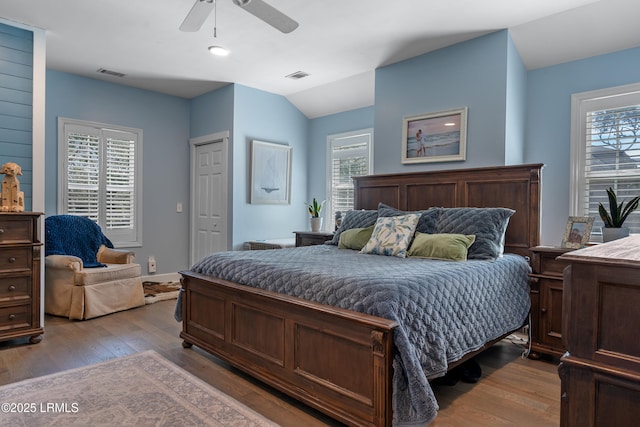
(355, 238)
(441, 246)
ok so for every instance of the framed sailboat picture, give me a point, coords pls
(270, 173)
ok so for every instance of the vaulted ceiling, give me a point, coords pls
(339, 43)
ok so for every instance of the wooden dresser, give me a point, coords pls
(546, 300)
(600, 372)
(20, 276)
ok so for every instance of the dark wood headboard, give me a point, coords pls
(515, 187)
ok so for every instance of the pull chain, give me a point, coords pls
(215, 18)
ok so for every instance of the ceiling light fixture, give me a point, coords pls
(217, 50)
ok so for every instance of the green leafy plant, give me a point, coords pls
(618, 212)
(314, 208)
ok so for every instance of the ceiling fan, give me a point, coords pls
(272, 16)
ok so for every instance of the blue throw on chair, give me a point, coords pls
(74, 235)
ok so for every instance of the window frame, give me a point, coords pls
(340, 139)
(581, 104)
(120, 239)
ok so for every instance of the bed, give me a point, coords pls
(345, 361)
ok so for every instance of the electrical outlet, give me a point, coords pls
(152, 264)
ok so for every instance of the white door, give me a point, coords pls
(209, 216)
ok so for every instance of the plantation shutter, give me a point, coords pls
(350, 156)
(83, 172)
(120, 182)
(611, 154)
(101, 178)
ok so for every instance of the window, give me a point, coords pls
(349, 154)
(605, 151)
(99, 177)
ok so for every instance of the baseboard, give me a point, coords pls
(165, 277)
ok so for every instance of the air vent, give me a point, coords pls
(297, 75)
(110, 73)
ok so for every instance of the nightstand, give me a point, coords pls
(310, 238)
(546, 300)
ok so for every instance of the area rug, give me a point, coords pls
(143, 389)
(155, 291)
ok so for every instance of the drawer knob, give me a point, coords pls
(12, 288)
(12, 259)
(12, 316)
(544, 310)
(1, 230)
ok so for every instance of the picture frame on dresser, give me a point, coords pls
(577, 232)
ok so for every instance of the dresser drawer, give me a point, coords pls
(15, 287)
(15, 317)
(545, 262)
(15, 230)
(12, 259)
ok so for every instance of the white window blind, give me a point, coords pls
(349, 155)
(606, 151)
(100, 177)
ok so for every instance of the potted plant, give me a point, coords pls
(314, 209)
(616, 216)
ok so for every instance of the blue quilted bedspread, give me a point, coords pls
(444, 309)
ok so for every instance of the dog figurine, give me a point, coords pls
(12, 197)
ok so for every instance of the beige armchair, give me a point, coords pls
(77, 292)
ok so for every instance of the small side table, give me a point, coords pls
(546, 300)
(253, 245)
(310, 238)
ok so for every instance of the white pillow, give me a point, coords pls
(391, 235)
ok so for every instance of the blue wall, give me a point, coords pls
(471, 74)
(548, 130)
(516, 106)
(16, 94)
(271, 118)
(164, 120)
(212, 112)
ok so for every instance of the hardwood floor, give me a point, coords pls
(512, 390)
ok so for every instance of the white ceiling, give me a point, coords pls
(339, 42)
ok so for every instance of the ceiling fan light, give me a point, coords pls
(218, 51)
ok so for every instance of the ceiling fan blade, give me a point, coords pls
(197, 15)
(268, 14)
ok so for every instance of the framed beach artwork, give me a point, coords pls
(577, 232)
(435, 137)
(270, 173)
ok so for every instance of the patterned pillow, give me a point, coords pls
(354, 219)
(391, 235)
(441, 246)
(426, 224)
(487, 224)
(355, 238)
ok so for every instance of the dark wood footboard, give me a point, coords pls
(335, 360)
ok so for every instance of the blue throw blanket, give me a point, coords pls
(444, 309)
(74, 235)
